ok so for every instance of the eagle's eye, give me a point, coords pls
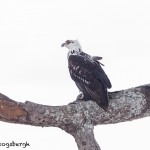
(69, 41)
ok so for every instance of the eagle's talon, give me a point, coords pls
(80, 97)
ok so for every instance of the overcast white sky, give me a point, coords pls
(34, 66)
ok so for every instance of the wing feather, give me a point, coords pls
(90, 78)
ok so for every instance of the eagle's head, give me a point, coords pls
(72, 45)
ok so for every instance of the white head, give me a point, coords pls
(72, 45)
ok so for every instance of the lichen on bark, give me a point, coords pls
(79, 119)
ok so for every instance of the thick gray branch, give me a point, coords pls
(79, 119)
(85, 138)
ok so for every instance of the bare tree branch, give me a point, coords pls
(80, 118)
(84, 138)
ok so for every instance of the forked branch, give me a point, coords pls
(80, 118)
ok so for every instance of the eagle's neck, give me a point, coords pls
(75, 50)
(75, 47)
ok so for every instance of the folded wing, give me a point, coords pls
(90, 78)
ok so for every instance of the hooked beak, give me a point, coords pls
(63, 44)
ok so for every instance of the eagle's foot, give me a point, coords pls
(79, 98)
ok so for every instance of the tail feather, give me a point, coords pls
(100, 97)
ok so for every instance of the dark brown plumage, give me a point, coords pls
(88, 74)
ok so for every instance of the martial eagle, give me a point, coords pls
(87, 73)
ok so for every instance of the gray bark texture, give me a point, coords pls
(79, 119)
